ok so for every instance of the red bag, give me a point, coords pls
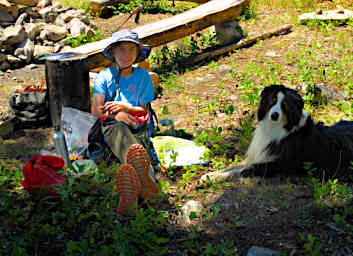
(40, 172)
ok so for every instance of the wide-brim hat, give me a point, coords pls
(127, 35)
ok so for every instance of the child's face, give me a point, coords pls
(125, 53)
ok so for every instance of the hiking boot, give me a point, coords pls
(129, 187)
(137, 157)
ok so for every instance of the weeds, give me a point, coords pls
(311, 247)
(83, 218)
(83, 39)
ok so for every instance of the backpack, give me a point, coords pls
(30, 106)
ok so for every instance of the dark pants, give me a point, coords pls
(119, 137)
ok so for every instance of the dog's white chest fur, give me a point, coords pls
(265, 133)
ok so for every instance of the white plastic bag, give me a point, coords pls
(76, 125)
(173, 151)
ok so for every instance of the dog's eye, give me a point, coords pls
(273, 101)
(284, 103)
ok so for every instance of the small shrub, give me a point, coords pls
(83, 39)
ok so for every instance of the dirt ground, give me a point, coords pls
(278, 212)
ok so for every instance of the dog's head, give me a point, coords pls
(281, 105)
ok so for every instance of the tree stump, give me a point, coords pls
(67, 79)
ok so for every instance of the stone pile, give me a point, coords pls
(34, 28)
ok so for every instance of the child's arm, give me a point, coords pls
(116, 107)
(97, 105)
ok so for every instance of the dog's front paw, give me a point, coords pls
(213, 177)
(247, 173)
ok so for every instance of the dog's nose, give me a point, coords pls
(274, 116)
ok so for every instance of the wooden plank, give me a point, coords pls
(340, 15)
(170, 29)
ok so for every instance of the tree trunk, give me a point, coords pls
(68, 86)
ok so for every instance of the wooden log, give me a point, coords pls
(242, 43)
(68, 86)
(170, 29)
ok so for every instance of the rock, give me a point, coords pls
(13, 35)
(63, 9)
(48, 14)
(21, 19)
(3, 57)
(53, 32)
(32, 66)
(272, 54)
(8, 12)
(43, 3)
(66, 17)
(4, 66)
(14, 61)
(48, 43)
(323, 93)
(258, 251)
(25, 50)
(6, 17)
(77, 27)
(190, 207)
(57, 7)
(32, 29)
(40, 51)
(57, 48)
(229, 32)
(66, 48)
(59, 45)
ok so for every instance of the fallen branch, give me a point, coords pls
(242, 43)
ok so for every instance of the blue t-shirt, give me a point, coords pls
(135, 90)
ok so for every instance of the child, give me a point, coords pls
(120, 99)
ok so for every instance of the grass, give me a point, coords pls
(83, 220)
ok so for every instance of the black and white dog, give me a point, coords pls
(287, 137)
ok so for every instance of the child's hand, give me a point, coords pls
(112, 107)
(127, 119)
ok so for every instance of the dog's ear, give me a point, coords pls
(263, 107)
(297, 99)
(295, 111)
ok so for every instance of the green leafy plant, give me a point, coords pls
(237, 223)
(329, 193)
(311, 247)
(83, 39)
